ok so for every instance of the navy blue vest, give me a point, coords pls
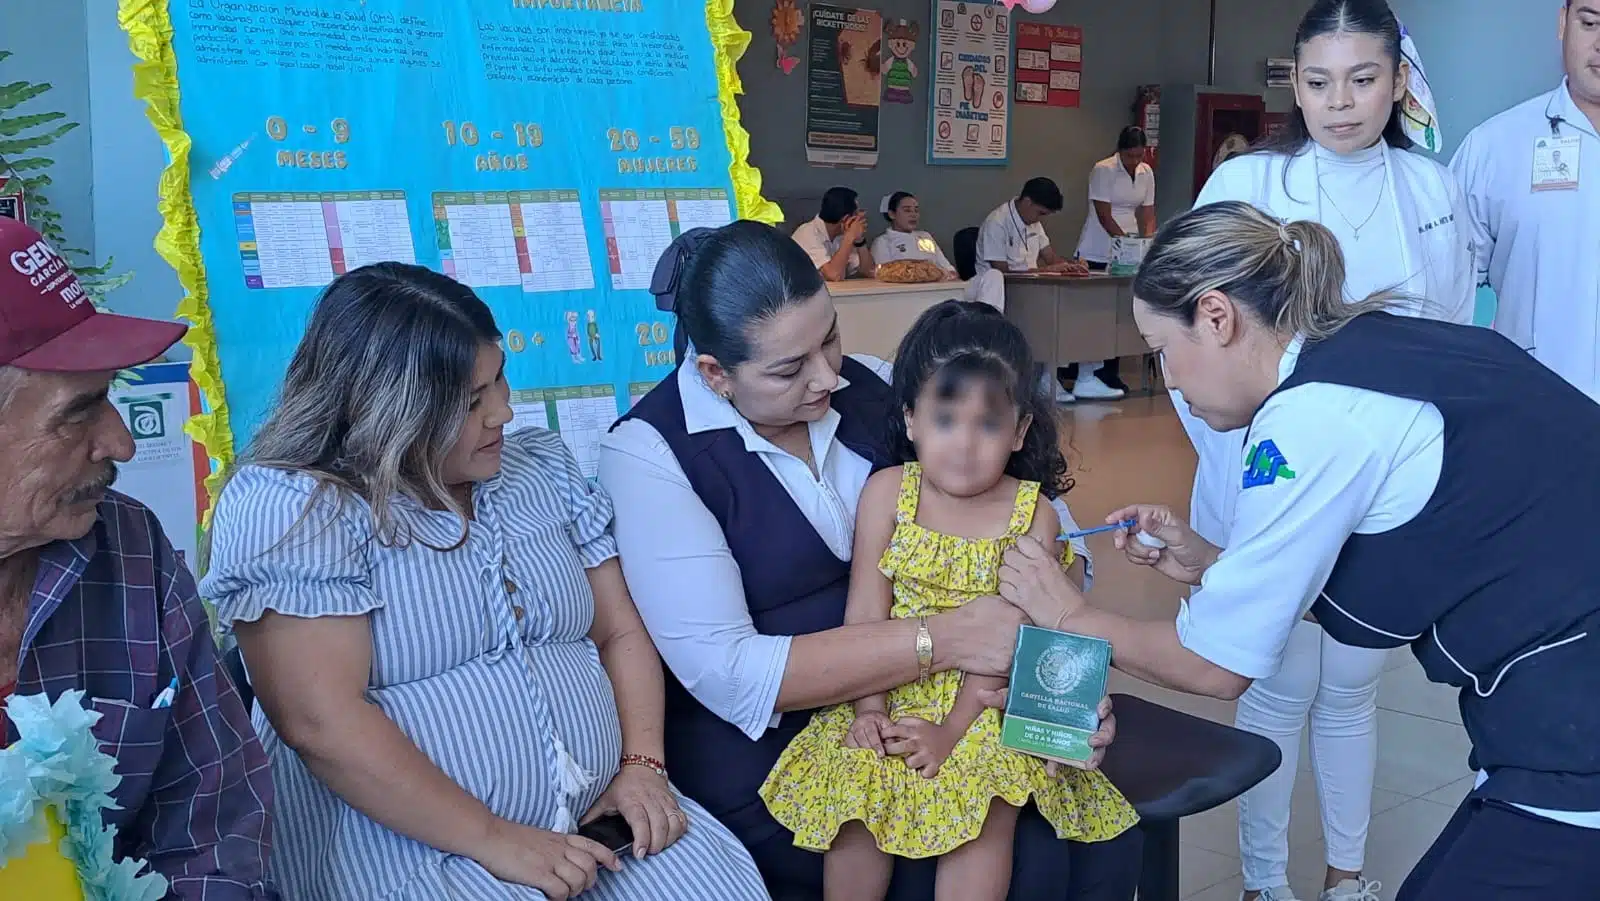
(1493, 583)
(792, 582)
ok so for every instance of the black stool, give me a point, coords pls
(1170, 765)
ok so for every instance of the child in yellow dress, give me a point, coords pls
(919, 772)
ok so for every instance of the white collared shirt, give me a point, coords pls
(1005, 238)
(1362, 462)
(1109, 182)
(1538, 250)
(893, 245)
(682, 574)
(813, 239)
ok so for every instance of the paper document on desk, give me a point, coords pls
(1127, 253)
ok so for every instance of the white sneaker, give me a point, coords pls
(1357, 889)
(1051, 387)
(1089, 387)
(1281, 893)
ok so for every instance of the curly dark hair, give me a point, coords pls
(958, 340)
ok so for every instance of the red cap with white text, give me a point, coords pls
(48, 322)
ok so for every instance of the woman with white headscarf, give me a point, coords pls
(1361, 103)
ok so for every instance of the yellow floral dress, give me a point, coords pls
(818, 784)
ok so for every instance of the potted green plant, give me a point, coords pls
(25, 176)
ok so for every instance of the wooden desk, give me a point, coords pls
(1073, 320)
(874, 315)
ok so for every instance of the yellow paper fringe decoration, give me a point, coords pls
(155, 81)
(728, 42)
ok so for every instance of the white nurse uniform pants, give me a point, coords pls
(1335, 685)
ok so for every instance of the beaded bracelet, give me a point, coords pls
(649, 763)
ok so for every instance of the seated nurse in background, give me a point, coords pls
(736, 482)
(449, 668)
(904, 241)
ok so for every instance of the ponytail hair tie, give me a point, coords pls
(1288, 240)
(668, 276)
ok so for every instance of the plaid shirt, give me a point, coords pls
(116, 615)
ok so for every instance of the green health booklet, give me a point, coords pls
(1057, 681)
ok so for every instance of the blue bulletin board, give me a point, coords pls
(544, 152)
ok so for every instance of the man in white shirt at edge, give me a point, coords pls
(1013, 239)
(1535, 222)
(836, 240)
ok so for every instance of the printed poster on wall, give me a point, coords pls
(543, 152)
(970, 101)
(1049, 66)
(168, 469)
(843, 86)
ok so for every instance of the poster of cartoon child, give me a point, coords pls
(900, 37)
(593, 330)
(572, 337)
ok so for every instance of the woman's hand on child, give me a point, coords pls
(924, 746)
(867, 731)
(1032, 579)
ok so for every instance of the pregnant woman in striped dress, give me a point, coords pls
(450, 670)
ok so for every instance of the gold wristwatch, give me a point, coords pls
(924, 648)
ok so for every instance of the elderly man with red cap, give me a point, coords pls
(93, 598)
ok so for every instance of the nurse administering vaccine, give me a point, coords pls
(1531, 176)
(1405, 482)
(1362, 105)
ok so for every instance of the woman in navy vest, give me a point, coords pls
(735, 482)
(1404, 481)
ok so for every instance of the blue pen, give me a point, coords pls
(164, 700)
(1082, 533)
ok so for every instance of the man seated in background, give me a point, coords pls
(93, 597)
(836, 240)
(1013, 239)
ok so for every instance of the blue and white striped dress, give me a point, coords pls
(479, 654)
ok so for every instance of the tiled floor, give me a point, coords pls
(1134, 451)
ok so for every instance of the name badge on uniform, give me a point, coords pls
(1555, 163)
(926, 245)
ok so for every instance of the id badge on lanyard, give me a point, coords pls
(1556, 162)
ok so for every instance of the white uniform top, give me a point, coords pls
(1362, 463)
(1005, 238)
(1109, 182)
(813, 239)
(895, 245)
(1415, 240)
(1539, 250)
(668, 540)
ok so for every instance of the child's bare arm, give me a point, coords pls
(968, 705)
(1050, 530)
(1046, 528)
(871, 593)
